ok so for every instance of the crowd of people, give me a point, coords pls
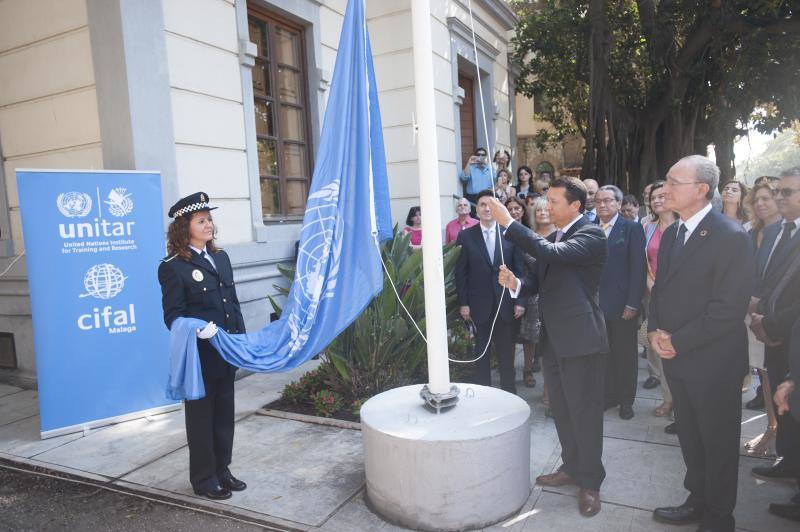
(702, 280)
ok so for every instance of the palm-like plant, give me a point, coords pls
(382, 348)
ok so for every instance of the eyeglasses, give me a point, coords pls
(672, 183)
(605, 201)
(785, 192)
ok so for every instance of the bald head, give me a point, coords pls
(591, 191)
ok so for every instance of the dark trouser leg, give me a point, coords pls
(200, 436)
(708, 415)
(789, 433)
(482, 374)
(777, 363)
(503, 339)
(559, 409)
(621, 364)
(224, 423)
(582, 386)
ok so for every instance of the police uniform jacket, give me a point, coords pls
(194, 289)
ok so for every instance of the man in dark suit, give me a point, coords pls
(569, 264)
(777, 308)
(621, 290)
(479, 294)
(590, 209)
(787, 399)
(696, 324)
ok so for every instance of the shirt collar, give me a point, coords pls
(199, 251)
(490, 228)
(796, 222)
(612, 221)
(566, 227)
(692, 223)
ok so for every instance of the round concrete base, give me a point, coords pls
(468, 467)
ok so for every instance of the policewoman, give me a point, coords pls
(197, 282)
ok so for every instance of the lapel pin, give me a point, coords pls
(704, 232)
(197, 275)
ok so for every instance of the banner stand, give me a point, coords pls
(91, 425)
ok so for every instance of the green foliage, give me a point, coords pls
(645, 82)
(327, 403)
(382, 348)
(310, 383)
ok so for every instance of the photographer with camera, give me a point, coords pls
(477, 176)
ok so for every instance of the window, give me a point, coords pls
(281, 114)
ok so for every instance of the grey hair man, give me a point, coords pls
(696, 325)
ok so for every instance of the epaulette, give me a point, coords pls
(167, 259)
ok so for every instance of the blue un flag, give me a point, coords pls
(338, 269)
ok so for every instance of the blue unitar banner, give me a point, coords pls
(93, 240)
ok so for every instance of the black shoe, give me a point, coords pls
(787, 511)
(775, 472)
(216, 493)
(625, 412)
(678, 515)
(756, 403)
(537, 366)
(671, 429)
(651, 383)
(232, 483)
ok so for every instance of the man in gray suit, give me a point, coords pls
(569, 264)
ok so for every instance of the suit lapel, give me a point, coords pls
(615, 230)
(481, 243)
(200, 262)
(694, 242)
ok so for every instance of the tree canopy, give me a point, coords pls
(646, 82)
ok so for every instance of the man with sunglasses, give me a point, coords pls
(774, 309)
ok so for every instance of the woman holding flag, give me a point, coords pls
(197, 282)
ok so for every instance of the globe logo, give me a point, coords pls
(74, 204)
(103, 281)
(119, 202)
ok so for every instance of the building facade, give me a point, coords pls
(228, 97)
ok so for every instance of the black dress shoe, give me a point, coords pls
(625, 412)
(678, 515)
(232, 483)
(756, 403)
(775, 472)
(787, 511)
(216, 493)
(671, 429)
(651, 383)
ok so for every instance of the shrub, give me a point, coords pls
(294, 393)
(327, 402)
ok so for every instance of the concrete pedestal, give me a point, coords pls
(466, 468)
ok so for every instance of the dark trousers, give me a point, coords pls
(575, 388)
(777, 364)
(790, 443)
(622, 364)
(209, 431)
(503, 341)
(708, 416)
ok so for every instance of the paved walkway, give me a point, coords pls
(305, 476)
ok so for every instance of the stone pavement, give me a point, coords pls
(304, 476)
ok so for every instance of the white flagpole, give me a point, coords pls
(428, 156)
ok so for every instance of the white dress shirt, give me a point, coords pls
(207, 255)
(692, 223)
(610, 225)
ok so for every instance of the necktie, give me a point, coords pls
(786, 235)
(559, 235)
(488, 235)
(605, 227)
(677, 248)
(205, 256)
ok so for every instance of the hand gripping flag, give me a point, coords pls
(338, 270)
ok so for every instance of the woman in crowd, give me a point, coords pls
(733, 200)
(544, 227)
(661, 219)
(503, 190)
(502, 160)
(414, 226)
(197, 282)
(528, 322)
(524, 185)
(761, 202)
